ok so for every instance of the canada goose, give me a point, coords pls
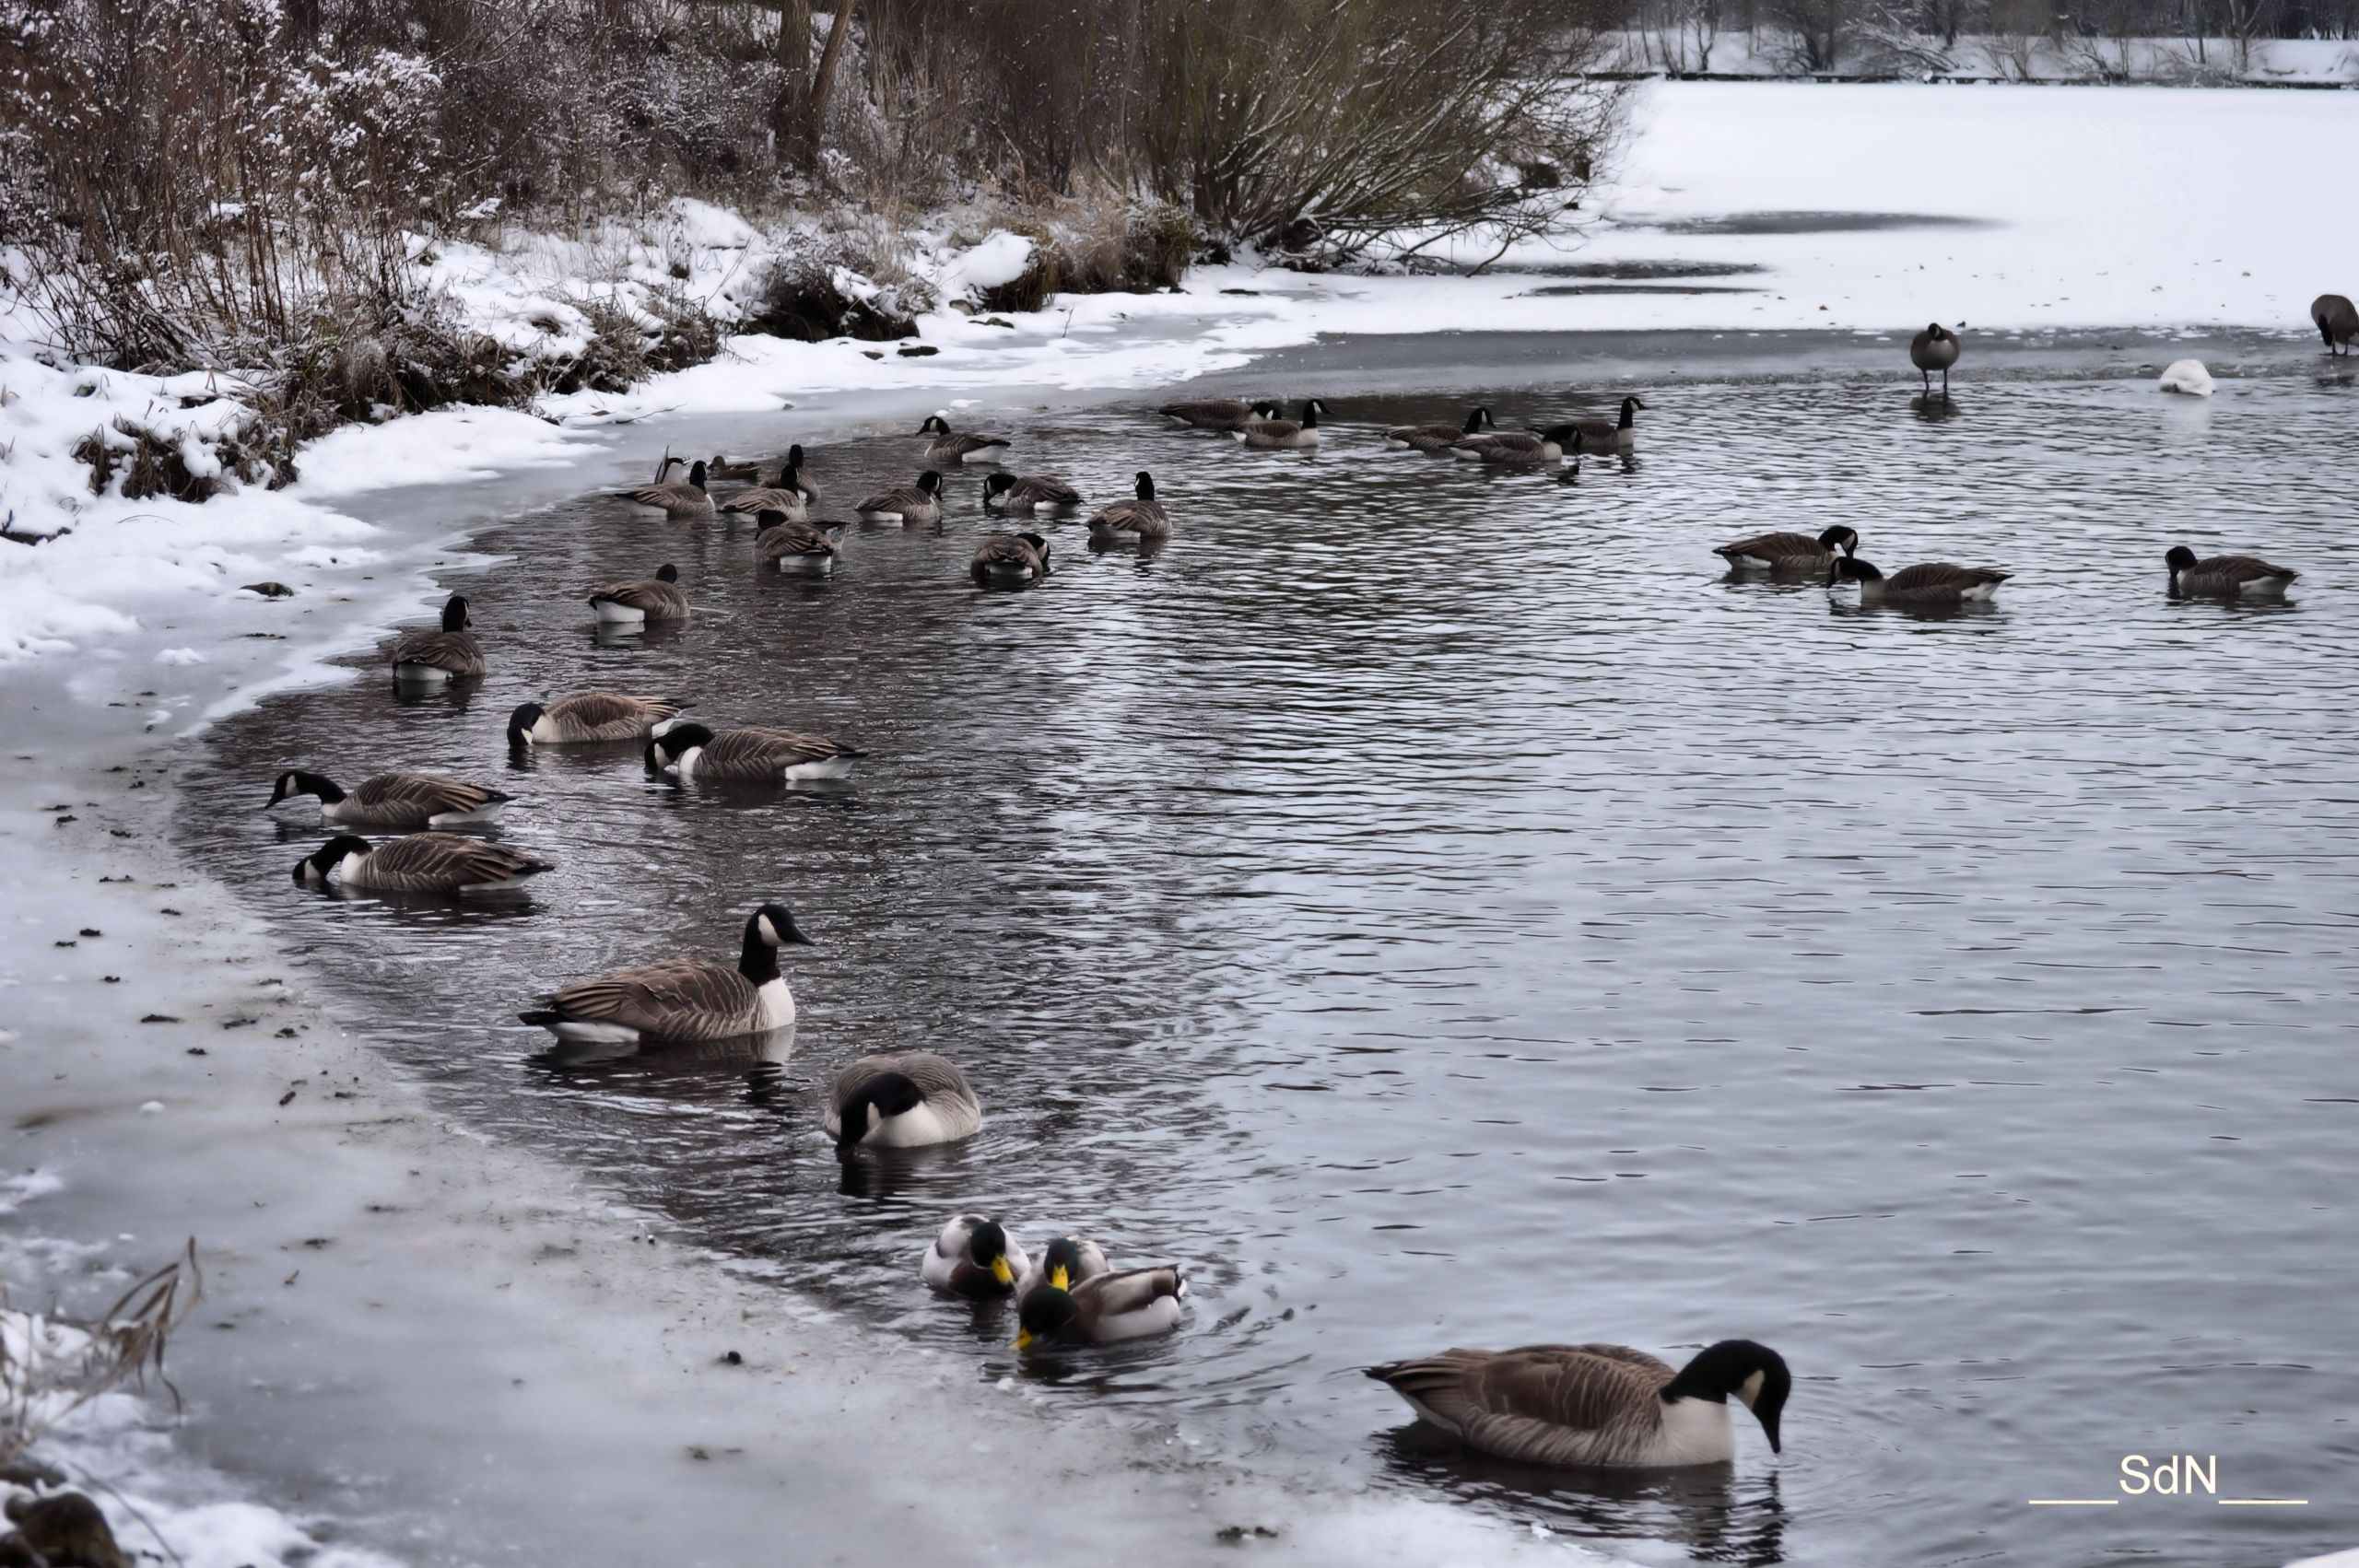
(433, 657)
(1589, 1406)
(1100, 1311)
(1933, 349)
(1010, 560)
(804, 482)
(794, 546)
(1066, 1262)
(785, 495)
(900, 1101)
(1612, 435)
(635, 603)
(921, 502)
(691, 751)
(719, 467)
(674, 500)
(1534, 447)
(399, 803)
(2233, 575)
(1437, 438)
(1285, 435)
(948, 446)
(683, 999)
(973, 1257)
(424, 862)
(1226, 414)
(2337, 320)
(1033, 493)
(1789, 552)
(1937, 585)
(1141, 518)
(585, 718)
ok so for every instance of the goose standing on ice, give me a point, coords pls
(795, 546)
(1437, 438)
(1285, 435)
(1612, 435)
(1936, 585)
(1227, 415)
(393, 802)
(950, 446)
(1140, 518)
(1010, 560)
(1033, 493)
(2337, 320)
(683, 999)
(903, 1100)
(1797, 553)
(423, 863)
(674, 500)
(691, 751)
(2226, 575)
(1595, 1406)
(974, 1257)
(635, 603)
(1933, 349)
(589, 718)
(1104, 1310)
(921, 502)
(435, 658)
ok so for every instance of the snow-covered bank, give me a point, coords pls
(1881, 50)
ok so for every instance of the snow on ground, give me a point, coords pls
(2034, 58)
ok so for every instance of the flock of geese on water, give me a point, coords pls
(1571, 1406)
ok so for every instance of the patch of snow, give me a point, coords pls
(180, 656)
(999, 260)
(2186, 376)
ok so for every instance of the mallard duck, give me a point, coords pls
(683, 999)
(1100, 1311)
(2337, 320)
(719, 467)
(635, 603)
(1010, 560)
(948, 446)
(1593, 1406)
(1066, 1262)
(1933, 349)
(1611, 435)
(1033, 493)
(1437, 438)
(424, 862)
(393, 802)
(1226, 414)
(795, 546)
(1937, 585)
(588, 717)
(691, 751)
(1141, 518)
(674, 500)
(902, 1100)
(1789, 552)
(1537, 447)
(434, 658)
(921, 502)
(786, 495)
(1285, 435)
(973, 1257)
(2228, 575)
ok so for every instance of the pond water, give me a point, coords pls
(1441, 908)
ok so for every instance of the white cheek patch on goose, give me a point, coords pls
(769, 932)
(1749, 1389)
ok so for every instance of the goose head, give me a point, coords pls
(313, 868)
(1840, 541)
(769, 517)
(1937, 332)
(520, 722)
(987, 1248)
(930, 482)
(935, 424)
(295, 782)
(696, 474)
(1850, 568)
(667, 572)
(454, 613)
(1264, 408)
(1741, 1370)
(1060, 1261)
(773, 924)
(1047, 1310)
(664, 752)
(1632, 404)
(1311, 409)
(998, 485)
(1479, 421)
(866, 1107)
(1145, 486)
(2180, 558)
(1038, 544)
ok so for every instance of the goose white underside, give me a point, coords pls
(1005, 573)
(421, 674)
(612, 615)
(829, 768)
(817, 565)
(1981, 594)
(583, 1032)
(461, 819)
(885, 517)
(914, 1128)
(2259, 588)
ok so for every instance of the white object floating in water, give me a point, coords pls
(2186, 376)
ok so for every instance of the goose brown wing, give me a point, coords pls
(1552, 1404)
(900, 498)
(1134, 517)
(683, 998)
(457, 652)
(1045, 489)
(755, 751)
(1935, 575)
(442, 862)
(609, 715)
(793, 539)
(2240, 569)
(1776, 548)
(421, 795)
(1518, 441)
(1006, 549)
(667, 496)
(768, 499)
(662, 600)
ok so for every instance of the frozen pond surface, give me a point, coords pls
(1439, 908)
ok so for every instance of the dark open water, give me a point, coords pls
(1439, 908)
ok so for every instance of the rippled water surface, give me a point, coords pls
(1440, 910)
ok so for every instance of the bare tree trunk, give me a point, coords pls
(814, 120)
(788, 110)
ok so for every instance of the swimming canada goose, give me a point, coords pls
(424, 862)
(1140, 518)
(1010, 560)
(921, 502)
(794, 546)
(1612, 435)
(400, 802)
(1066, 1262)
(785, 495)
(1789, 552)
(2231, 575)
(1535, 448)
(1437, 438)
(683, 999)
(804, 482)
(1033, 493)
(1100, 1311)
(1933, 349)
(691, 751)
(433, 657)
(973, 1257)
(587, 718)
(635, 603)
(1936, 585)
(1590, 1406)
(674, 500)
(2337, 320)
(1285, 435)
(902, 1100)
(1228, 414)
(948, 446)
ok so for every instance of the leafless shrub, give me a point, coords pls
(50, 1367)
